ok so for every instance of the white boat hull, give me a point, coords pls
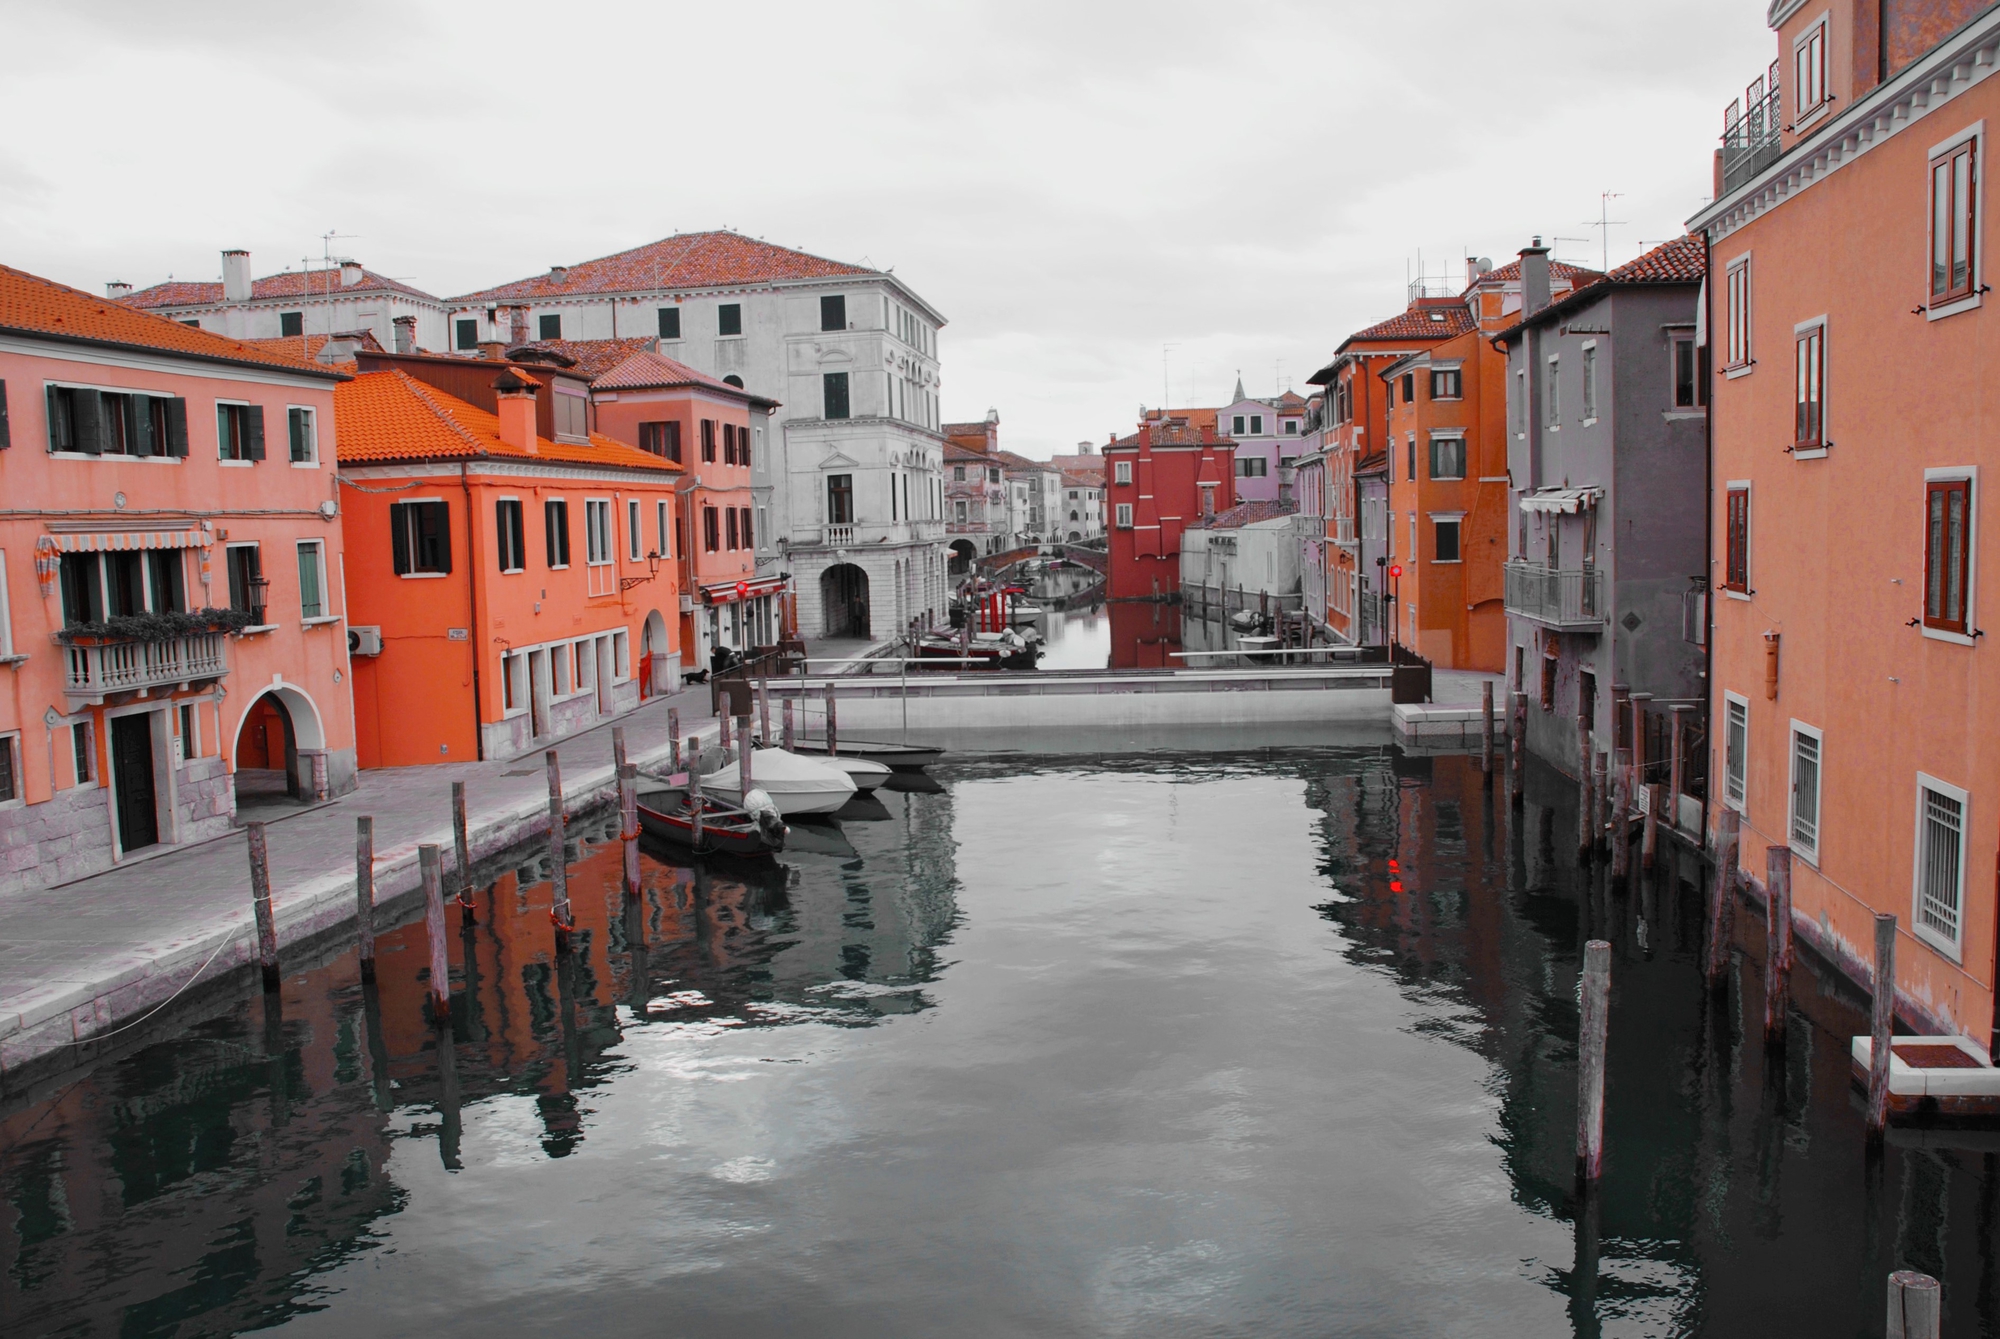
(797, 785)
(864, 774)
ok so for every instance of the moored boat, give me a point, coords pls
(795, 784)
(899, 756)
(865, 773)
(723, 830)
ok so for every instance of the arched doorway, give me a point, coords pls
(655, 660)
(963, 554)
(843, 596)
(276, 742)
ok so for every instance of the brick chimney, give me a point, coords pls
(493, 350)
(516, 411)
(517, 326)
(1534, 278)
(350, 273)
(406, 334)
(236, 276)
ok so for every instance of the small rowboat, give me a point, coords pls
(898, 756)
(724, 830)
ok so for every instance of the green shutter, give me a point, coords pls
(6, 434)
(139, 420)
(399, 536)
(87, 422)
(443, 535)
(255, 444)
(177, 429)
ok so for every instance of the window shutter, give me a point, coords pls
(254, 448)
(443, 512)
(88, 422)
(139, 422)
(49, 398)
(6, 434)
(399, 536)
(177, 428)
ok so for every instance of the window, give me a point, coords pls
(513, 674)
(1410, 460)
(958, 514)
(555, 522)
(729, 319)
(1124, 516)
(1447, 540)
(1739, 314)
(1447, 457)
(1688, 378)
(597, 549)
(743, 447)
(1252, 467)
(670, 322)
(1736, 559)
(662, 439)
(1409, 388)
(247, 586)
(958, 474)
(708, 441)
(190, 732)
(1291, 427)
(239, 431)
(549, 327)
(730, 529)
(10, 769)
(993, 474)
(1809, 422)
(1805, 790)
(833, 313)
(1735, 749)
(633, 530)
(711, 530)
(1236, 428)
(1590, 380)
(468, 334)
(82, 754)
(1256, 425)
(840, 499)
(6, 613)
(291, 323)
(1954, 218)
(1551, 662)
(508, 530)
(1447, 384)
(1552, 392)
(744, 525)
(1121, 472)
(729, 443)
(1809, 72)
(1518, 409)
(312, 579)
(834, 388)
(664, 549)
(761, 518)
(1940, 863)
(420, 538)
(304, 435)
(1948, 554)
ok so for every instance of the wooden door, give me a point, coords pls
(132, 778)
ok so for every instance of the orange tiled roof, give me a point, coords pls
(391, 416)
(1246, 513)
(1510, 273)
(36, 306)
(1681, 261)
(1435, 323)
(1083, 478)
(312, 344)
(685, 260)
(289, 284)
(592, 358)
(646, 370)
(953, 451)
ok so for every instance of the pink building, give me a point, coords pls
(172, 629)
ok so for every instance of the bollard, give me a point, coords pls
(364, 893)
(260, 902)
(1590, 1061)
(1722, 894)
(764, 710)
(1486, 730)
(1517, 745)
(428, 867)
(1777, 941)
(628, 811)
(786, 707)
(462, 844)
(1916, 1306)
(674, 738)
(832, 749)
(558, 868)
(1882, 1021)
(743, 781)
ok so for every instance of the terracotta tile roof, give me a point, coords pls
(391, 416)
(37, 306)
(289, 284)
(1016, 462)
(646, 369)
(1510, 273)
(1083, 478)
(1681, 261)
(954, 452)
(313, 344)
(591, 358)
(1246, 513)
(685, 260)
(1432, 323)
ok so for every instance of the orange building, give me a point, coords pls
(508, 587)
(1854, 690)
(672, 411)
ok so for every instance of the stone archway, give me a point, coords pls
(656, 660)
(964, 553)
(843, 598)
(278, 738)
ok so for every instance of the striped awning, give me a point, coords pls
(107, 541)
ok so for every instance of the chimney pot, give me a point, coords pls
(516, 411)
(117, 289)
(559, 273)
(350, 273)
(236, 276)
(493, 350)
(1534, 278)
(406, 334)
(517, 326)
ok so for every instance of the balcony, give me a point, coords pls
(1560, 598)
(92, 672)
(1750, 141)
(837, 536)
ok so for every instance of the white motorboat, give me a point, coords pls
(866, 775)
(797, 785)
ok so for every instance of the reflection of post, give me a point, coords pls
(274, 1055)
(1486, 732)
(364, 893)
(1916, 1305)
(1722, 894)
(1777, 941)
(628, 835)
(566, 1008)
(1590, 1061)
(448, 1117)
(378, 1051)
(558, 867)
(1882, 1019)
(428, 862)
(1583, 1277)
(635, 939)
(260, 903)
(468, 998)
(1517, 743)
(462, 841)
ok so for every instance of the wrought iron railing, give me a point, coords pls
(1559, 597)
(126, 666)
(1750, 142)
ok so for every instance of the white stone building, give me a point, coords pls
(849, 486)
(1082, 516)
(341, 298)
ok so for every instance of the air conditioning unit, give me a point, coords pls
(364, 641)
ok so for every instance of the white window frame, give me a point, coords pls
(1121, 471)
(325, 587)
(187, 730)
(1951, 946)
(510, 663)
(1806, 850)
(233, 462)
(1552, 392)
(1465, 455)
(11, 741)
(1808, 112)
(634, 530)
(1800, 331)
(664, 522)
(1976, 132)
(311, 462)
(522, 507)
(1124, 515)
(415, 575)
(1738, 335)
(598, 550)
(6, 613)
(568, 552)
(1952, 474)
(1739, 783)
(1456, 518)
(1588, 349)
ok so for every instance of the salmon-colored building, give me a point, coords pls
(703, 424)
(172, 639)
(1163, 478)
(509, 587)
(1854, 689)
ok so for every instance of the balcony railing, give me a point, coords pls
(1559, 597)
(127, 666)
(1750, 141)
(837, 536)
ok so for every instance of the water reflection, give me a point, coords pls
(1281, 1041)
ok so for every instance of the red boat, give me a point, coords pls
(722, 830)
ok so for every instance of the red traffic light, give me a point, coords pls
(1396, 570)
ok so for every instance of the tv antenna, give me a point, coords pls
(1604, 223)
(1166, 388)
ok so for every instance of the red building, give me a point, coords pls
(1169, 473)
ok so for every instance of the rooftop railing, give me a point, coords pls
(1750, 140)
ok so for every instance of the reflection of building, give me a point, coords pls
(1164, 477)
(297, 304)
(500, 572)
(173, 522)
(850, 479)
(1144, 634)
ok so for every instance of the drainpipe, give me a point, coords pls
(473, 633)
(1708, 535)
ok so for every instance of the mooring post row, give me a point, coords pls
(1722, 893)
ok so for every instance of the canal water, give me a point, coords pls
(1273, 1043)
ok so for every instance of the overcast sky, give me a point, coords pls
(1080, 188)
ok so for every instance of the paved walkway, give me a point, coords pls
(82, 957)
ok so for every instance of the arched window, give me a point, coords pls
(733, 380)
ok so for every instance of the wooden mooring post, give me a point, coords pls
(743, 780)
(558, 867)
(832, 722)
(260, 903)
(1881, 1024)
(1722, 894)
(674, 739)
(785, 709)
(764, 710)
(1777, 941)
(364, 893)
(628, 815)
(1590, 1061)
(1586, 821)
(462, 848)
(1601, 802)
(1916, 1306)
(1517, 746)
(694, 792)
(1486, 731)
(1676, 766)
(722, 725)
(1621, 815)
(430, 871)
